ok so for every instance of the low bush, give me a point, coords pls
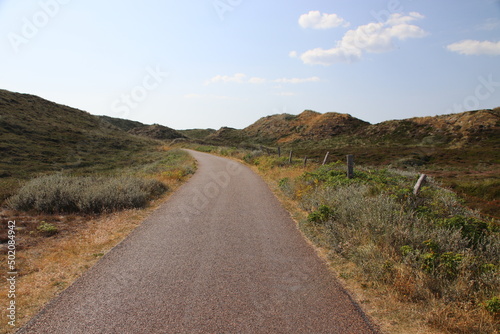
(67, 194)
(321, 215)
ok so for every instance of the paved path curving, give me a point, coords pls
(220, 256)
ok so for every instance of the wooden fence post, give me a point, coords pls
(419, 184)
(290, 158)
(326, 158)
(350, 166)
(305, 161)
(279, 152)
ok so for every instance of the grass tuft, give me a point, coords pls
(47, 229)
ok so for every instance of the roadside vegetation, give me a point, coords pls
(70, 194)
(67, 220)
(428, 258)
(93, 191)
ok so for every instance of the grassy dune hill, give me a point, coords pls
(461, 150)
(459, 139)
(38, 137)
(197, 134)
(123, 124)
(309, 125)
(156, 131)
(456, 130)
(228, 135)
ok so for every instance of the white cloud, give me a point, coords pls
(321, 56)
(297, 80)
(236, 78)
(471, 47)
(370, 38)
(314, 19)
(293, 54)
(397, 18)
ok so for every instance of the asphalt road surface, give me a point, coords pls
(220, 256)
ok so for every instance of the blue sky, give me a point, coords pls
(213, 63)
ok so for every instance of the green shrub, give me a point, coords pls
(449, 264)
(493, 305)
(471, 228)
(66, 194)
(206, 148)
(47, 229)
(406, 250)
(251, 157)
(323, 214)
(284, 182)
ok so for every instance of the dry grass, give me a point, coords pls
(50, 265)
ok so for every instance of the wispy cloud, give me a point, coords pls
(489, 25)
(241, 78)
(317, 20)
(208, 96)
(370, 38)
(297, 80)
(285, 94)
(471, 47)
(236, 78)
(256, 80)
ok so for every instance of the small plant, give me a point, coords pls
(449, 263)
(432, 245)
(47, 229)
(406, 250)
(471, 228)
(323, 214)
(493, 305)
(284, 182)
(59, 284)
(488, 268)
(429, 262)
